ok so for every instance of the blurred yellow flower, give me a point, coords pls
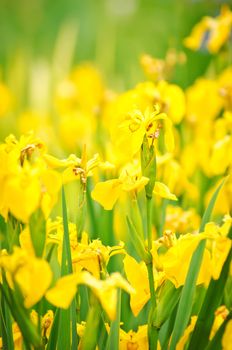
(211, 32)
(5, 100)
(227, 337)
(63, 292)
(32, 275)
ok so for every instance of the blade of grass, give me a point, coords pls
(166, 330)
(6, 325)
(67, 317)
(92, 214)
(52, 342)
(37, 225)
(186, 299)
(213, 297)
(103, 335)
(20, 315)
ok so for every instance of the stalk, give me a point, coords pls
(152, 330)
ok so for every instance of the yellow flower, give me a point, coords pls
(76, 168)
(129, 134)
(218, 162)
(203, 101)
(227, 337)
(139, 281)
(5, 98)
(163, 191)
(130, 181)
(92, 256)
(219, 316)
(217, 30)
(47, 322)
(25, 179)
(17, 337)
(181, 221)
(172, 260)
(62, 294)
(183, 340)
(171, 98)
(32, 275)
(218, 245)
(105, 290)
(133, 340)
(83, 90)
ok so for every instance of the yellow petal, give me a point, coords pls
(227, 337)
(107, 193)
(62, 294)
(106, 290)
(183, 340)
(163, 191)
(139, 282)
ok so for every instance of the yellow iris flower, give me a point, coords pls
(129, 134)
(62, 294)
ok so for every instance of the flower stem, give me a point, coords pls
(152, 330)
(149, 222)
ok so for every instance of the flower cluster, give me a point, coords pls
(116, 230)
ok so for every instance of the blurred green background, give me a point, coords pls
(43, 39)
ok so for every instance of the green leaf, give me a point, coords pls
(53, 337)
(103, 335)
(187, 295)
(137, 242)
(21, 316)
(166, 302)
(37, 226)
(113, 339)
(212, 301)
(67, 317)
(90, 337)
(6, 325)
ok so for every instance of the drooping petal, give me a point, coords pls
(107, 193)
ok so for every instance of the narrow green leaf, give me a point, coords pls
(22, 317)
(67, 317)
(166, 330)
(212, 301)
(166, 302)
(64, 340)
(6, 325)
(52, 342)
(209, 209)
(113, 339)
(103, 335)
(137, 242)
(186, 299)
(90, 337)
(37, 226)
(66, 265)
(91, 212)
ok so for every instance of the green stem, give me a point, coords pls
(152, 330)
(136, 217)
(81, 213)
(149, 223)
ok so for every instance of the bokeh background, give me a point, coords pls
(42, 39)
